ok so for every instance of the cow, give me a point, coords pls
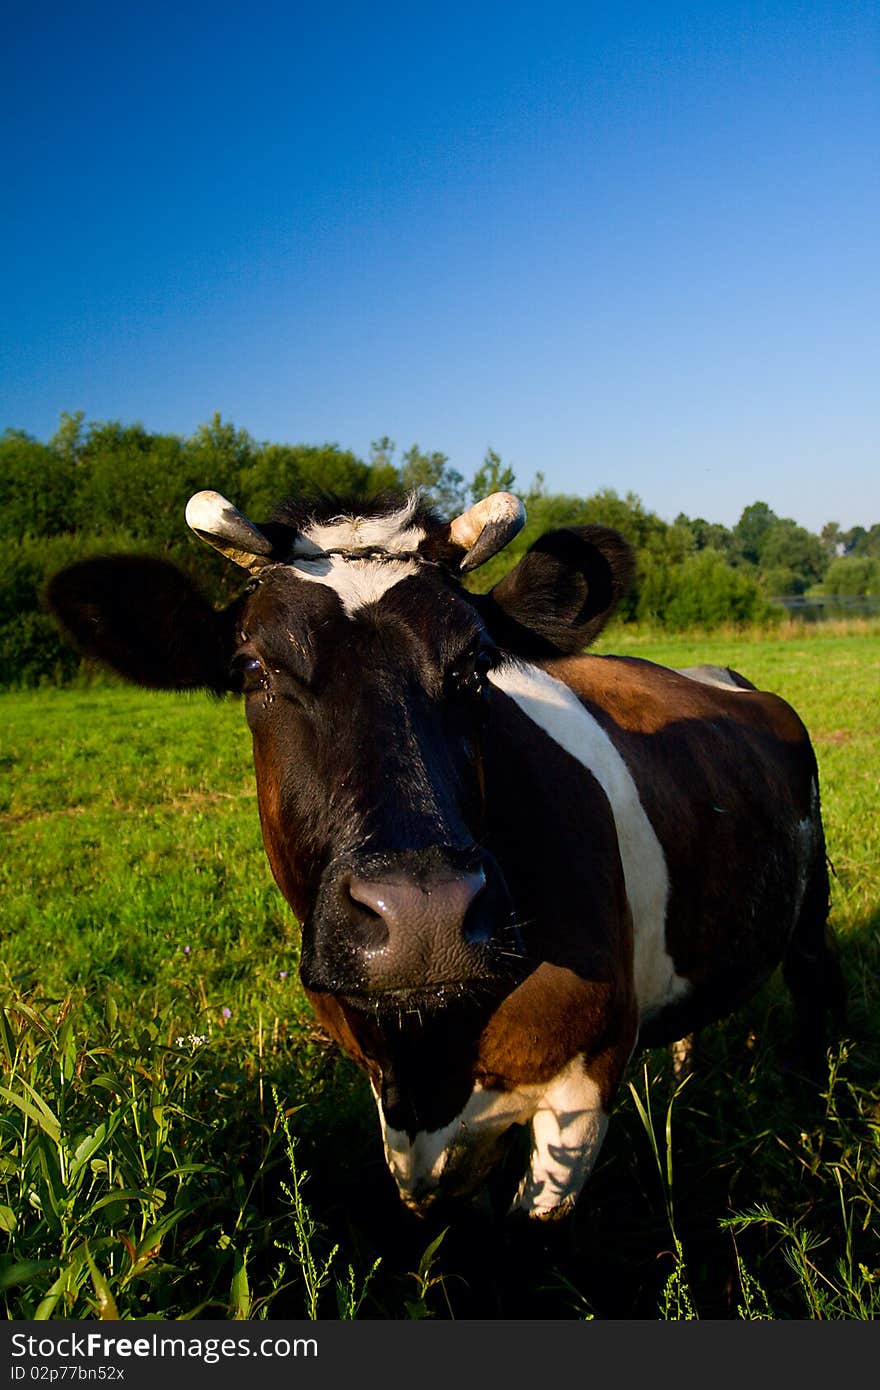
(514, 861)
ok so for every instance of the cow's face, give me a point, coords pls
(367, 718)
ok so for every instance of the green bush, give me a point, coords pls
(852, 574)
(36, 488)
(780, 581)
(702, 591)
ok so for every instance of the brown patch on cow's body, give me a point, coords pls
(645, 698)
(596, 1021)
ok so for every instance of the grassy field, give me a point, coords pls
(177, 1141)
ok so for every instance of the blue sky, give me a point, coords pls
(626, 246)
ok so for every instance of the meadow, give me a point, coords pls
(177, 1140)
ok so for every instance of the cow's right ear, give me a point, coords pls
(562, 592)
(145, 619)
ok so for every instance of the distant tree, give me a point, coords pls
(127, 478)
(430, 473)
(860, 541)
(69, 439)
(852, 574)
(778, 581)
(110, 487)
(628, 515)
(271, 473)
(491, 477)
(831, 538)
(219, 453)
(382, 453)
(306, 471)
(854, 539)
(674, 545)
(708, 535)
(36, 487)
(749, 532)
(537, 489)
(331, 469)
(787, 546)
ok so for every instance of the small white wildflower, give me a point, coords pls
(192, 1041)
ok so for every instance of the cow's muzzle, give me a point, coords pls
(410, 928)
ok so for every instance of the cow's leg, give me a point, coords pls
(813, 975)
(568, 1128)
(684, 1055)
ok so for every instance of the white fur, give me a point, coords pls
(711, 675)
(568, 1128)
(359, 582)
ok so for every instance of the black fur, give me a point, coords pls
(561, 594)
(145, 619)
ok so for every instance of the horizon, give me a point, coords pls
(624, 250)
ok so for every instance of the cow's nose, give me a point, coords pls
(412, 932)
(437, 907)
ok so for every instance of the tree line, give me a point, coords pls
(107, 487)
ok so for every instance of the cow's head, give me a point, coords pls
(365, 668)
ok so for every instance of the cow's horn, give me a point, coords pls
(220, 524)
(486, 528)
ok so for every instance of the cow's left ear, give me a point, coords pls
(145, 619)
(562, 592)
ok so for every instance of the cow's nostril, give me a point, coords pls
(478, 927)
(369, 914)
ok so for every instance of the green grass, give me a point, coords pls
(176, 1140)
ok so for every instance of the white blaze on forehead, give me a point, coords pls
(557, 710)
(359, 581)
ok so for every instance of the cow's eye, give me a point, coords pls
(249, 673)
(468, 675)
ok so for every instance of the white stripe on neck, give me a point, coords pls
(555, 708)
